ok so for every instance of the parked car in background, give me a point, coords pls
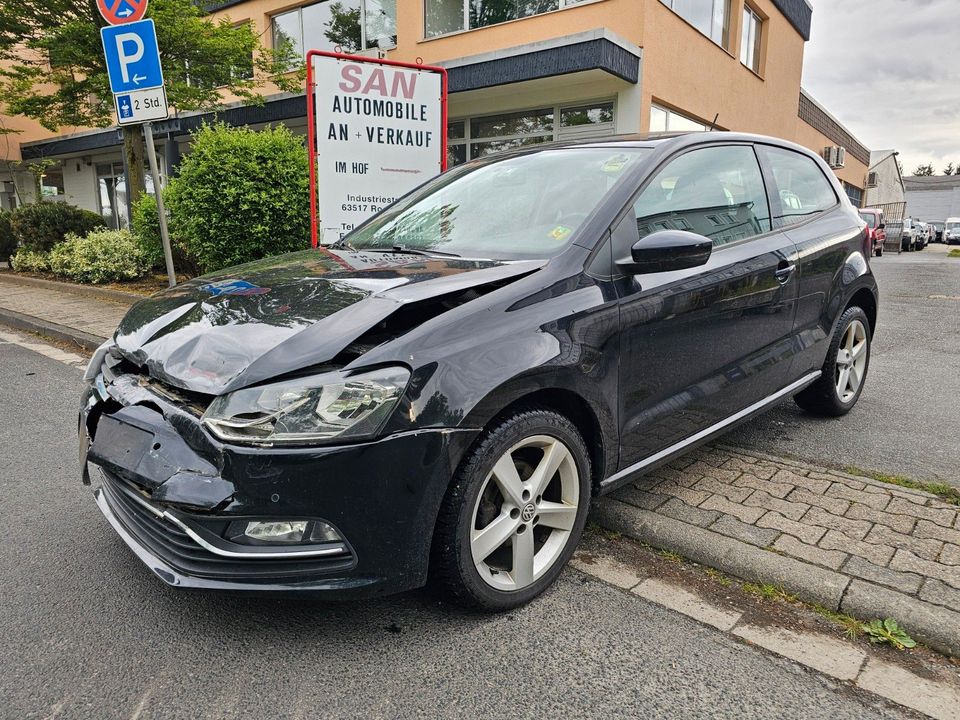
(907, 234)
(951, 231)
(920, 236)
(938, 232)
(441, 393)
(876, 229)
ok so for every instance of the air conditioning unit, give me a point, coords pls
(836, 157)
(871, 179)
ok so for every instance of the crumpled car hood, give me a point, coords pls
(250, 323)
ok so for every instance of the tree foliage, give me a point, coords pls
(240, 195)
(951, 169)
(53, 69)
(923, 170)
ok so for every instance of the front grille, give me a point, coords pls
(174, 547)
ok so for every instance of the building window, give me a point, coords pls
(476, 137)
(711, 17)
(51, 183)
(112, 193)
(446, 16)
(380, 23)
(854, 193)
(750, 35)
(664, 120)
(321, 26)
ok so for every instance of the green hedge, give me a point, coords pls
(8, 243)
(240, 195)
(100, 257)
(40, 226)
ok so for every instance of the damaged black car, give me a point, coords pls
(440, 394)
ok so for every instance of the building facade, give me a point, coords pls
(933, 199)
(522, 73)
(884, 184)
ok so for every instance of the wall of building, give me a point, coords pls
(889, 188)
(933, 199)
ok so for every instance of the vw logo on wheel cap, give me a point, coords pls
(528, 512)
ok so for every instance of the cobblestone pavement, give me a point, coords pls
(92, 315)
(890, 536)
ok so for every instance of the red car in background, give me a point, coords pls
(876, 234)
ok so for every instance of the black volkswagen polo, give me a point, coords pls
(442, 392)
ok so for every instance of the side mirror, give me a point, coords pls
(881, 226)
(666, 250)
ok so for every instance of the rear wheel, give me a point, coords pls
(845, 369)
(514, 512)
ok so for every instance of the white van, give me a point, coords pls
(951, 231)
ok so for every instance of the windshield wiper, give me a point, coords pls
(409, 251)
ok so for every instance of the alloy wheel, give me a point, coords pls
(525, 512)
(851, 361)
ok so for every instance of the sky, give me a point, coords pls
(889, 70)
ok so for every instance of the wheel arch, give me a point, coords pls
(866, 301)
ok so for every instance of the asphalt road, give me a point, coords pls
(907, 420)
(87, 632)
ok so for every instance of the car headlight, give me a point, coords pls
(321, 408)
(96, 362)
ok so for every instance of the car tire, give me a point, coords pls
(844, 371)
(480, 495)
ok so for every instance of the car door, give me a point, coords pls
(701, 344)
(825, 233)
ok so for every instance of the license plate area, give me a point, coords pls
(120, 444)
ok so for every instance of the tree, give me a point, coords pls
(923, 170)
(343, 28)
(950, 169)
(52, 68)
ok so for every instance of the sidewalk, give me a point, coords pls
(60, 311)
(850, 544)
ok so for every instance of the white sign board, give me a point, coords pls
(378, 131)
(141, 106)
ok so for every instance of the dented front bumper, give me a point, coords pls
(169, 489)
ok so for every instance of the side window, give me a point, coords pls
(716, 192)
(803, 189)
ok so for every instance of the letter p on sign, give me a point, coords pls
(128, 42)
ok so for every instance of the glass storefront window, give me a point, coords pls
(480, 136)
(51, 183)
(663, 120)
(112, 194)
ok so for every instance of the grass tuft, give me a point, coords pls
(945, 492)
(851, 626)
(771, 592)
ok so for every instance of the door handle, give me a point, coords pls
(784, 272)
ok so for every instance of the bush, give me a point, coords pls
(8, 243)
(145, 224)
(40, 226)
(26, 260)
(240, 195)
(102, 256)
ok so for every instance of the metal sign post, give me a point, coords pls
(155, 173)
(136, 79)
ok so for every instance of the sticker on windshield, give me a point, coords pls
(615, 164)
(560, 232)
(234, 287)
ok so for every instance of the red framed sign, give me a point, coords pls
(376, 129)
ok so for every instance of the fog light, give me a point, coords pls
(282, 532)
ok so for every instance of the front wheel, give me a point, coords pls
(845, 369)
(514, 512)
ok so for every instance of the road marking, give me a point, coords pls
(54, 353)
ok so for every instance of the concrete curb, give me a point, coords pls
(53, 330)
(116, 296)
(934, 625)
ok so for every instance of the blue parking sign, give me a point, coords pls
(132, 55)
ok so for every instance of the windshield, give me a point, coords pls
(953, 226)
(528, 206)
(870, 218)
